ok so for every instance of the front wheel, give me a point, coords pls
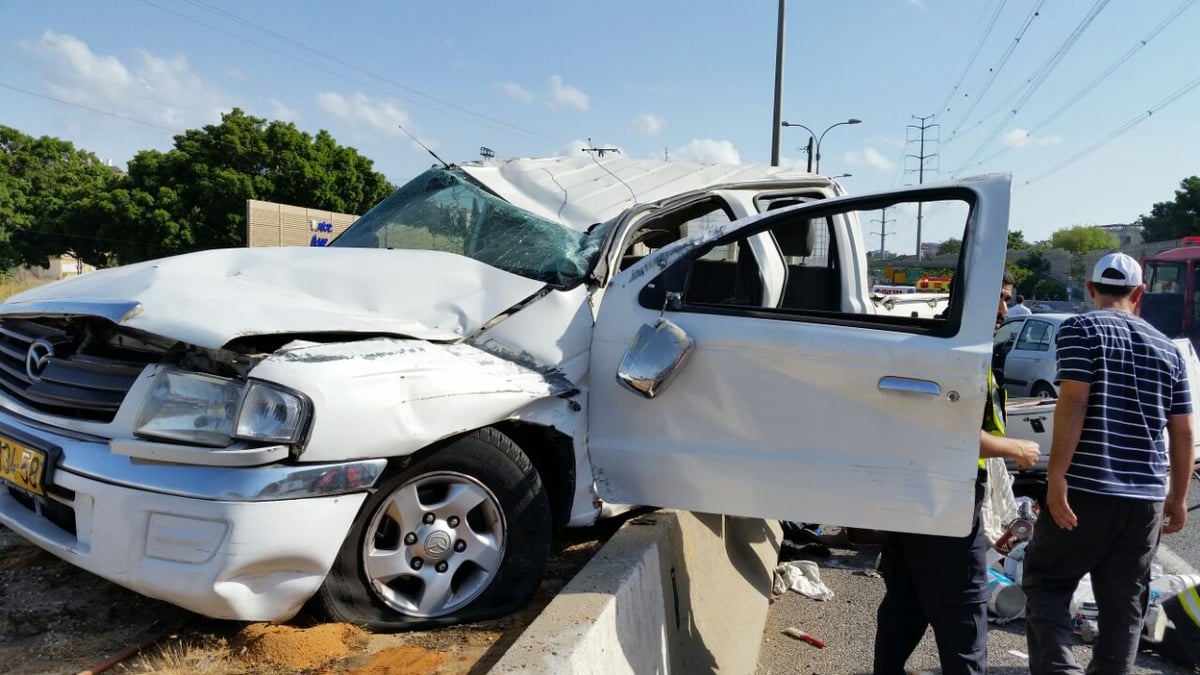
(460, 535)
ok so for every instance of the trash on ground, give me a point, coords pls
(1006, 600)
(792, 631)
(801, 576)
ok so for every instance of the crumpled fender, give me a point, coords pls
(387, 397)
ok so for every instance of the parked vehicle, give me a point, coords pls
(1171, 302)
(1025, 346)
(390, 427)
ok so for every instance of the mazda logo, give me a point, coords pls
(437, 544)
(37, 358)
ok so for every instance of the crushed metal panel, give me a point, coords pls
(262, 291)
(580, 192)
(388, 397)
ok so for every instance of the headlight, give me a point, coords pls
(190, 407)
(209, 410)
(271, 414)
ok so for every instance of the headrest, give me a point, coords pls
(795, 238)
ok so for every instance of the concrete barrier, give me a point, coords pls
(671, 592)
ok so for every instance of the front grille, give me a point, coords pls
(62, 369)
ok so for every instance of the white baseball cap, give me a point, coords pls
(1117, 269)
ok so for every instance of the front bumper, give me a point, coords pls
(248, 543)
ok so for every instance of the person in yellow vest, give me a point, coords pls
(1181, 642)
(942, 581)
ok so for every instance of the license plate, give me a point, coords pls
(22, 466)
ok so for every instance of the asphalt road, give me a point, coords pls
(846, 624)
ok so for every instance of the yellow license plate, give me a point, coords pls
(22, 466)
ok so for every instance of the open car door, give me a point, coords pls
(751, 373)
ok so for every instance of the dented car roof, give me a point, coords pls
(582, 191)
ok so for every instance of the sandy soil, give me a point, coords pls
(55, 618)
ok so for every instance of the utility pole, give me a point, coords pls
(921, 157)
(777, 122)
(883, 220)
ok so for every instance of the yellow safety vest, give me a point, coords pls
(1190, 601)
(993, 411)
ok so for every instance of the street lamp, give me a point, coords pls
(813, 136)
(843, 175)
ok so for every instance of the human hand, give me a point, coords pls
(1027, 452)
(1174, 515)
(1056, 501)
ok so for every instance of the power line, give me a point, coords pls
(1039, 77)
(995, 70)
(975, 54)
(447, 106)
(1087, 89)
(90, 109)
(1176, 95)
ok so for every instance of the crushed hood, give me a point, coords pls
(212, 297)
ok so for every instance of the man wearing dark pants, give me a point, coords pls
(1121, 384)
(942, 581)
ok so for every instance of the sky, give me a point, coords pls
(1091, 105)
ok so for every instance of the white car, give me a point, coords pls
(1026, 347)
(391, 426)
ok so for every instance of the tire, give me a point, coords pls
(462, 534)
(1043, 390)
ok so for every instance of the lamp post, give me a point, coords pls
(814, 137)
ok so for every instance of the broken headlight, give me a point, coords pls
(208, 410)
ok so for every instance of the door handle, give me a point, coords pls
(909, 385)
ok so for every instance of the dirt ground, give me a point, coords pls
(55, 618)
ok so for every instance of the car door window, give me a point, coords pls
(1037, 336)
(1006, 336)
(689, 220)
(811, 250)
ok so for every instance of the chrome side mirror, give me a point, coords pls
(654, 359)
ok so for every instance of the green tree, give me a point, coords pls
(41, 181)
(1016, 241)
(949, 247)
(1049, 289)
(194, 196)
(1030, 270)
(1084, 239)
(1177, 218)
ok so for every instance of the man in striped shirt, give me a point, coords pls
(1121, 384)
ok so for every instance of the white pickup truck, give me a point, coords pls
(391, 428)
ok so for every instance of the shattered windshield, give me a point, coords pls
(441, 210)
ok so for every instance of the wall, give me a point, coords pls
(272, 224)
(671, 592)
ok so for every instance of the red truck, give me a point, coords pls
(1171, 302)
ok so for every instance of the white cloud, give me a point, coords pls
(1019, 138)
(919, 4)
(708, 151)
(282, 111)
(358, 110)
(869, 157)
(648, 125)
(514, 91)
(565, 95)
(156, 89)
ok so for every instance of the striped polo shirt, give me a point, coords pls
(1137, 380)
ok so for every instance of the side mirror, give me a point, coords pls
(654, 359)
